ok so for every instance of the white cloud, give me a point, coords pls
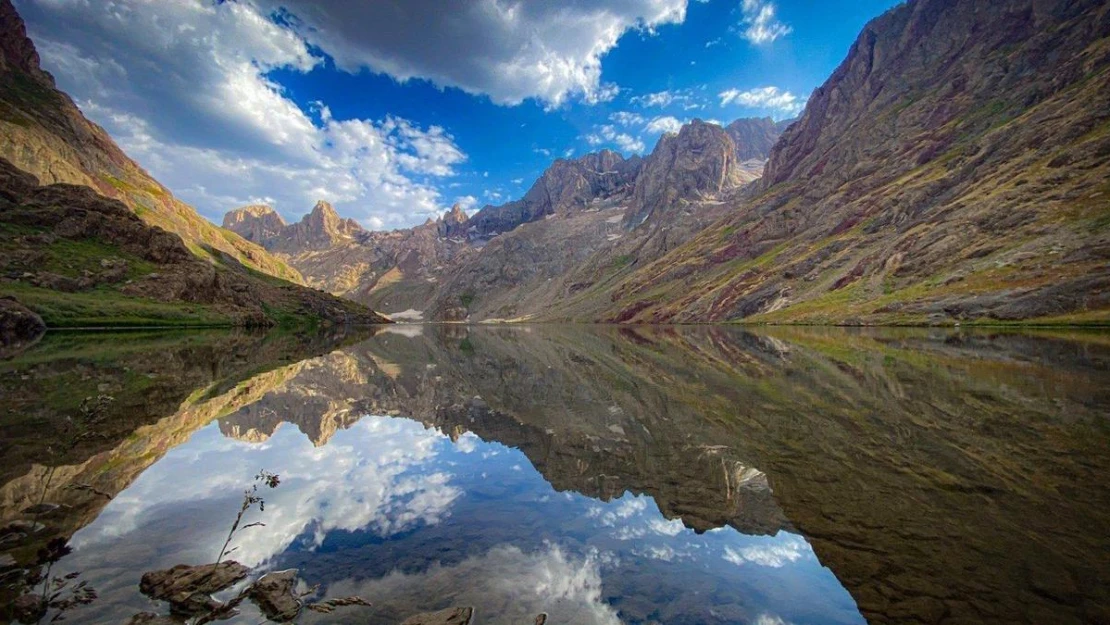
(183, 87)
(507, 584)
(510, 51)
(775, 555)
(759, 23)
(771, 98)
(608, 134)
(374, 476)
(664, 124)
(626, 118)
(466, 202)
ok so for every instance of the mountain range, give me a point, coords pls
(953, 169)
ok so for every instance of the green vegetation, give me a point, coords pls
(106, 307)
(467, 298)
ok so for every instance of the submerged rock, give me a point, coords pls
(273, 594)
(189, 589)
(450, 616)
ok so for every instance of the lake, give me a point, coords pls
(595, 474)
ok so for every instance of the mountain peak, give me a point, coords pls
(17, 52)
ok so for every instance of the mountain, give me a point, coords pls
(679, 189)
(77, 258)
(566, 187)
(953, 168)
(100, 243)
(754, 137)
(320, 229)
(43, 133)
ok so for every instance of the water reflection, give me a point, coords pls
(669, 475)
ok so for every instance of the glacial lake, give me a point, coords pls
(600, 475)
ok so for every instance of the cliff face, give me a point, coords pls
(257, 223)
(953, 168)
(43, 133)
(697, 163)
(566, 187)
(754, 137)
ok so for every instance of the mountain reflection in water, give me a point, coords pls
(670, 475)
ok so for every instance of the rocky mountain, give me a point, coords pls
(698, 162)
(320, 229)
(565, 188)
(953, 168)
(77, 258)
(43, 133)
(679, 189)
(256, 223)
(755, 136)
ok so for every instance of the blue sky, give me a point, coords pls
(395, 109)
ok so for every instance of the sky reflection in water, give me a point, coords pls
(411, 520)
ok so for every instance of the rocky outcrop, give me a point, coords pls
(257, 223)
(448, 616)
(453, 223)
(321, 229)
(189, 589)
(754, 136)
(566, 187)
(66, 239)
(697, 163)
(43, 133)
(952, 169)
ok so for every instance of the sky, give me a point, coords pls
(393, 110)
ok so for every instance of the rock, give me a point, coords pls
(273, 594)
(753, 137)
(189, 589)
(450, 616)
(257, 223)
(320, 229)
(541, 619)
(19, 326)
(149, 618)
(698, 162)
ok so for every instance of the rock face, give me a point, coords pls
(453, 223)
(320, 229)
(754, 137)
(257, 223)
(953, 168)
(77, 258)
(43, 133)
(697, 163)
(566, 187)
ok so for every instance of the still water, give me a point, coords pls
(599, 475)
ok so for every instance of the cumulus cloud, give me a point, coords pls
(770, 98)
(664, 124)
(663, 99)
(774, 555)
(608, 134)
(549, 51)
(759, 23)
(376, 476)
(184, 88)
(627, 118)
(511, 586)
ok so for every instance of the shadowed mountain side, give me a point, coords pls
(941, 476)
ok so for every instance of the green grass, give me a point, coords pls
(107, 308)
